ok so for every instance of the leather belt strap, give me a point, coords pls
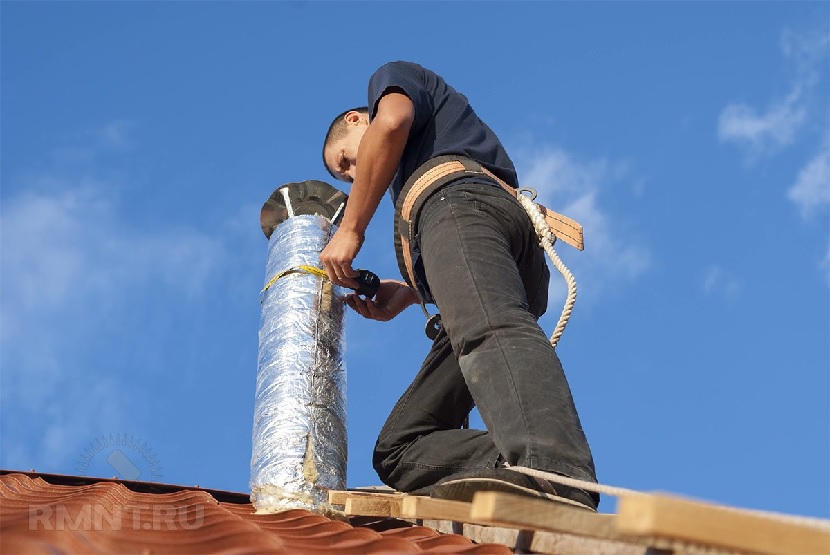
(561, 226)
(433, 175)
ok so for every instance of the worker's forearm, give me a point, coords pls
(377, 161)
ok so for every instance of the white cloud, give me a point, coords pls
(89, 144)
(807, 51)
(720, 281)
(811, 191)
(781, 125)
(70, 249)
(777, 127)
(74, 266)
(762, 132)
(573, 187)
(70, 267)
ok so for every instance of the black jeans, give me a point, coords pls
(489, 279)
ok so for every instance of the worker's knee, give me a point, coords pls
(396, 471)
(385, 459)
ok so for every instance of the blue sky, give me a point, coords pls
(139, 141)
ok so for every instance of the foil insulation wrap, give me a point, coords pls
(299, 435)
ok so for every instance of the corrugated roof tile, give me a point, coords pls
(84, 515)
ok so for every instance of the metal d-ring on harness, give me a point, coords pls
(439, 171)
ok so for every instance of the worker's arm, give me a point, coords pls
(377, 161)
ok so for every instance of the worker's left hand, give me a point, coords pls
(392, 298)
(338, 256)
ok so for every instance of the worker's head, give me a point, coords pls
(342, 141)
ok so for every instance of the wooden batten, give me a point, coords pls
(676, 518)
(645, 524)
(538, 514)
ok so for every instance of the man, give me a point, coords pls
(479, 260)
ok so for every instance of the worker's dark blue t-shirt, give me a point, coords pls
(445, 123)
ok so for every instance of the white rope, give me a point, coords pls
(619, 492)
(573, 482)
(547, 239)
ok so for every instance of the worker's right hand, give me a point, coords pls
(392, 298)
(339, 254)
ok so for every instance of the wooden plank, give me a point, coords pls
(421, 507)
(374, 505)
(380, 490)
(539, 541)
(681, 519)
(454, 517)
(527, 513)
(338, 497)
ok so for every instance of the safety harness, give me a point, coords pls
(442, 170)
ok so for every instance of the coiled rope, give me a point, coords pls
(546, 240)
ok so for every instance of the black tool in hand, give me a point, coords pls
(368, 283)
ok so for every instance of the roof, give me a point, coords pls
(47, 513)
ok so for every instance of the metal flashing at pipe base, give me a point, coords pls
(299, 435)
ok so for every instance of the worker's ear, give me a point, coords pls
(354, 117)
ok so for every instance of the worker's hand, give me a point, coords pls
(338, 256)
(391, 299)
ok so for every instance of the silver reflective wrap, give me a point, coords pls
(299, 437)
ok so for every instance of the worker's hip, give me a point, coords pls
(437, 174)
(478, 242)
(449, 173)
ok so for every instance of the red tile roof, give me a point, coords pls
(42, 513)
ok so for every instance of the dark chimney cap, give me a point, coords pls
(302, 198)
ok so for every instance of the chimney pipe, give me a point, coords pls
(299, 434)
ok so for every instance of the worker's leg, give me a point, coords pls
(421, 441)
(488, 277)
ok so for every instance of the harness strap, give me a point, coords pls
(434, 174)
(561, 226)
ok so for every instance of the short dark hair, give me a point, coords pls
(337, 130)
